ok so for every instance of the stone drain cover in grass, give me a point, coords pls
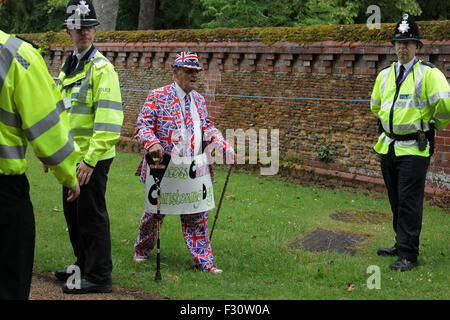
(361, 217)
(329, 240)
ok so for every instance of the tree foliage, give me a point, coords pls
(250, 13)
(330, 12)
(28, 16)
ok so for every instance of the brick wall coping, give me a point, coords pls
(281, 46)
(319, 57)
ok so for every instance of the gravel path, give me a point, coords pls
(44, 286)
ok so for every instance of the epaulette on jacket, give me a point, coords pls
(429, 64)
(100, 62)
(27, 41)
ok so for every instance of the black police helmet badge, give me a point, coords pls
(80, 13)
(407, 29)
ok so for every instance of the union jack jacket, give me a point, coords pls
(160, 122)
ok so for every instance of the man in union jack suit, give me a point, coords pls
(174, 120)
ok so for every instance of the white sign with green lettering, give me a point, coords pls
(186, 187)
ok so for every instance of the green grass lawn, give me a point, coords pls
(258, 219)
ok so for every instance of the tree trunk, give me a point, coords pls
(106, 11)
(147, 14)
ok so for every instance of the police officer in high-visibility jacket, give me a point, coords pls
(31, 111)
(91, 89)
(411, 99)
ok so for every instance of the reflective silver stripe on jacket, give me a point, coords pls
(81, 109)
(82, 132)
(46, 123)
(384, 80)
(374, 102)
(60, 155)
(109, 127)
(12, 152)
(7, 55)
(405, 104)
(415, 102)
(84, 108)
(408, 143)
(419, 83)
(439, 95)
(81, 96)
(10, 119)
(116, 128)
(406, 127)
(444, 116)
(85, 86)
(108, 104)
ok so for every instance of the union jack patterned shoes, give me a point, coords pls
(138, 258)
(213, 270)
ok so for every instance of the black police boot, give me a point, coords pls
(392, 252)
(403, 264)
(63, 275)
(85, 286)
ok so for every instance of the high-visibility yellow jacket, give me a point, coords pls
(93, 99)
(423, 99)
(32, 111)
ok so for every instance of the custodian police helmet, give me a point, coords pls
(80, 13)
(407, 29)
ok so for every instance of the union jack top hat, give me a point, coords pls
(187, 60)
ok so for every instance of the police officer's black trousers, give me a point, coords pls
(404, 177)
(17, 237)
(88, 223)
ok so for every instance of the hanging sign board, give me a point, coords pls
(186, 187)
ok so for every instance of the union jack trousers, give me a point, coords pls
(195, 233)
(159, 122)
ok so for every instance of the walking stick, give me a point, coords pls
(158, 224)
(157, 172)
(220, 201)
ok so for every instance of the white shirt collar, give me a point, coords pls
(407, 65)
(82, 54)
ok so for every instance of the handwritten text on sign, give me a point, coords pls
(186, 187)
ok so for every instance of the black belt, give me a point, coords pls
(402, 137)
(429, 135)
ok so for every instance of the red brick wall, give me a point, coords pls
(325, 70)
